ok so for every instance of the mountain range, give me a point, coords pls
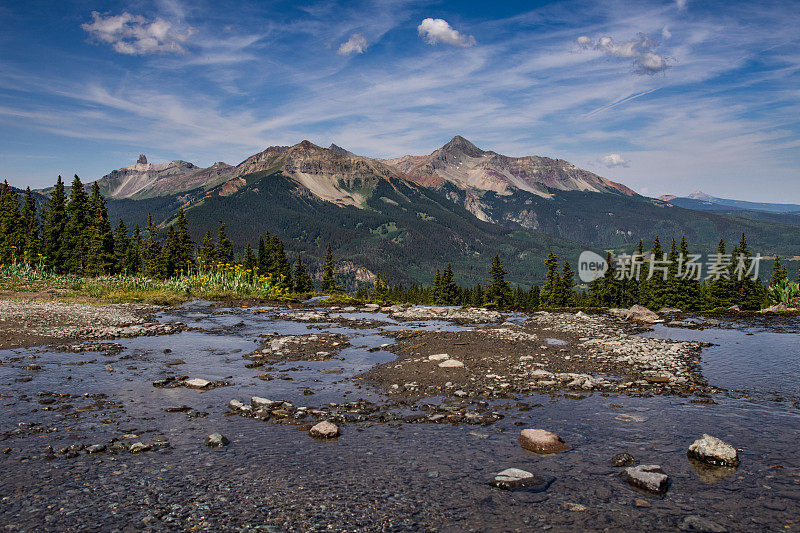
(405, 216)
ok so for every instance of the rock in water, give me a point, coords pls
(216, 440)
(698, 523)
(324, 430)
(515, 478)
(650, 478)
(622, 459)
(541, 441)
(641, 314)
(713, 451)
(197, 383)
(139, 447)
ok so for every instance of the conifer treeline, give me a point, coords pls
(666, 287)
(73, 235)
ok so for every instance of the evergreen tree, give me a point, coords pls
(380, 290)
(280, 264)
(779, 272)
(548, 296)
(208, 252)
(224, 249)
(184, 247)
(450, 293)
(719, 289)
(30, 227)
(152, 265)
(566, 294)
(133, 258)
(690, 294)
(249, 263)
(498, 293)
(533, 297)
(264, 259)
(605, 291)
(671, 293)
(100, 239)
(748, 292)
(328, 284)
(651, 289)
(11, 242)
(54, 221)
(302, 279)
(437, 287)
(74, 244)
(122, 244)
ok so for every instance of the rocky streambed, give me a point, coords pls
(366, 418)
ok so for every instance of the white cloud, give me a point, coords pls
(681, 4)
(645, 61)
(439, 31)
(665, 33)
(135, 35)
(614, 160)
(356, 44)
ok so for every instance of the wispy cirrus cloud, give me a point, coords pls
(434, 31)
(135, 35)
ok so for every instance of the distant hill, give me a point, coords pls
(705, 202)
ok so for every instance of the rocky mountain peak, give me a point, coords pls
(460, 145)
(142, 160)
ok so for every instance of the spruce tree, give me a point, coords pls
(264, 260)
(30, 228)
(54, 221)
(450, 293)
(133, 259)
(498, 293)
(184, 247)
(224, 249)
(208, 252)
(152, 265)
(76, 231)
(302, 279)
(280, 264)
(328, 284)
(548, 296)
(690, 294)
(249, 262)
(566, 293)
(11, 241)
(748, 292)
(122, 244)
(533, 297)
(779, 272)
(100, 239)
(719, 289)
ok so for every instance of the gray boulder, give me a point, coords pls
(649, 478)
(713, 451)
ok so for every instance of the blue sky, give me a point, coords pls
(666, 97)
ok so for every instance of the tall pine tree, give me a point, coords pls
(54, 221)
